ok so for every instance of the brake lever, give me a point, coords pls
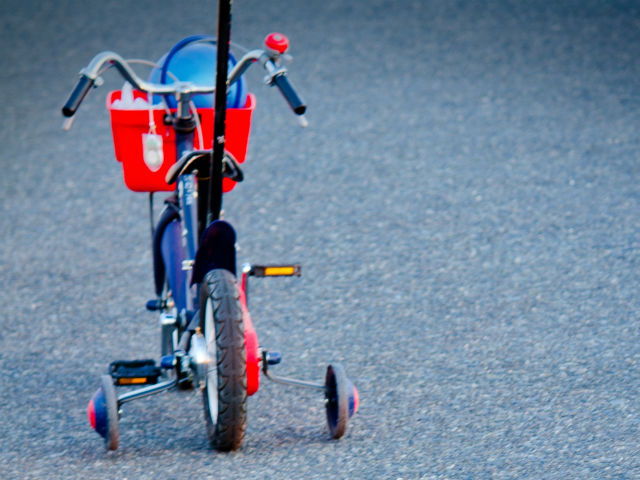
(231, 169)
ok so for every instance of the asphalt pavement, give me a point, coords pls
(464, 204)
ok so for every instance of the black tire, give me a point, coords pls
(337, 400)
(225, 392)
(111, 402)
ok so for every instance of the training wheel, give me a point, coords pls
(103, 412)
(341, 400)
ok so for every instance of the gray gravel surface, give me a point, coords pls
(465, 204)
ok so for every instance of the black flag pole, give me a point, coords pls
(222, 61)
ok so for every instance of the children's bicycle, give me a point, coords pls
(175, 133)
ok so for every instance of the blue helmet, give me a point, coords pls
(193, 59)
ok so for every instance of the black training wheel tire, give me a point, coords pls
(225, 392)
(111, 402)
(337, 400)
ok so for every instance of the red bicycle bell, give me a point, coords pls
(277, 42)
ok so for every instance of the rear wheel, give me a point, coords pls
(225, 391)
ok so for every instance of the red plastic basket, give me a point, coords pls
(129, 126)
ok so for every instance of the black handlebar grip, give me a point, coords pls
(77, 95)
(297, 105)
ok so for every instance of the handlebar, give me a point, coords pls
(277, 77)
(89, 77)
(80, 91)
(290, 95)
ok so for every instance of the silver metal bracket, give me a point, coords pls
(288, 381)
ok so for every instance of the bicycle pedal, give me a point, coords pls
(134, 372)
(260, 271)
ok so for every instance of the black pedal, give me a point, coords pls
(135, 372)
